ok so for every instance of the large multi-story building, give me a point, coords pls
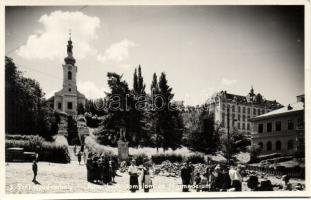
(281, 130)
(239, 109)
(68, 98)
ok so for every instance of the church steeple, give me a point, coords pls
(70, 59)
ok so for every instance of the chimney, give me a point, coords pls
(289, 107)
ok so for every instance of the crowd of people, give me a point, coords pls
(215, 178)
(101, 169)
(224, 178)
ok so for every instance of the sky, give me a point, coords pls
(202, 49)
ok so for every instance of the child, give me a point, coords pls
(79, 157)
(204, 183)
(197, 181)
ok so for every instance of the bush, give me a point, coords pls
(196, 158)
(56, 151)
(140, 158)
(159, 158)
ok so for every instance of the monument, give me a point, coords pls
(123, 150)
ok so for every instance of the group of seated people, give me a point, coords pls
(101, 169)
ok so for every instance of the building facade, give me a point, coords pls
(68, 98)
(236, 111)
(280, 131)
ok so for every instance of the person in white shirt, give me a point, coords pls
(236, 178)
(133, 172)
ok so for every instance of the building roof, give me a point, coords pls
(291, 108)
(248, 99)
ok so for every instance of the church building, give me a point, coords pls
(68, 98)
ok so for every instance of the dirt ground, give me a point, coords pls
(67, 178)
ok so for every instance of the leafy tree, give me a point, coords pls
(26, 110)
(205, 136)
(81, 109)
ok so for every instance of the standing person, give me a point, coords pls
(204, 183)
(226, 179)
(84, 157)
(112, 170)
(34, 170)
(75, 150)
(79, 157)
(133, 172)
(236, 178)
(191, 169)
(197, 182)
(146, 182)
(186, 176)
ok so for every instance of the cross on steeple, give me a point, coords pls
(70, 34)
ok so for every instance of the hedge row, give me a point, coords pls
(193, 158)
(56, 151)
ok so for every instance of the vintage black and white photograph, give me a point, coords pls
(187, 99)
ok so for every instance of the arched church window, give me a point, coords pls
(69, 75)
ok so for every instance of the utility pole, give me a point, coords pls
(228, 126)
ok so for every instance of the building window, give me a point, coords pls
(243, 126)
(290, 125)
(278, 145)
(290, 145)
(278, 126)
(254, 111)
(69, 105)
(248, 127)
(59, 106)
(258, 111)
(69, 75)
(243, 109)
(263, 111)
(260, 128)
(233, 108)
(239, 126)
(69, 89)
(239, 117)
(239, 109)
(269, 127)
(249, 111)
(269, 146)
(261, 145)
(243, 117)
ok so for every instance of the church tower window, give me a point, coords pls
(69, 75)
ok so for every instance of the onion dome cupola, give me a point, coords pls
(70, 59)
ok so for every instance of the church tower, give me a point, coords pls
(68, 99)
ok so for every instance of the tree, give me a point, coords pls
(205, 137)
(72, 130)
(26, 110)
(168, 117)
(118, 106)
(135, 81)
(137, 115)
(80, 109)
(140, 82)
(254, 151)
